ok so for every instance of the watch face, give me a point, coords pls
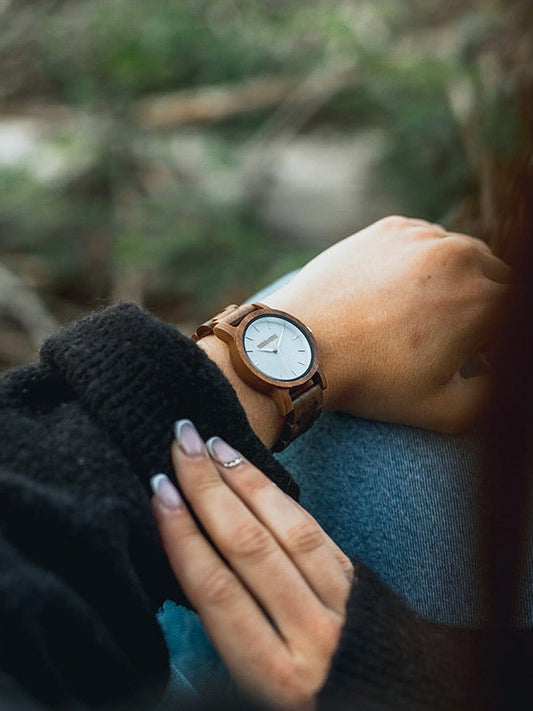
(277, 347)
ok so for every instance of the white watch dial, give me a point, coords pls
(277, 347)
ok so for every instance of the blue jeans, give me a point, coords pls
(407, 502)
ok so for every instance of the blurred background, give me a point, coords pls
(184, 153)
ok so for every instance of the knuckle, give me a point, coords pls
(304, 537)
(253, 487)
(290, 684)
(251, 540)
(478, 243)
(281, 671)
(203, 484)
(427, 232)
(327, 630)
(189, 533)
(218, 587)
(295, 682)
(394, 221)
(459, 253)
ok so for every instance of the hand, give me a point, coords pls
(282, 565)
(396, 310)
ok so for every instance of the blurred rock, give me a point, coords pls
(324, 187)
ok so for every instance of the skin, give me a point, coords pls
(396, 310)
(282, 563)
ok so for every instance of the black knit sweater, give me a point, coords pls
(82, 570)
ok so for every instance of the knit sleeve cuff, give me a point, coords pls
(391, 657)
(137, 375)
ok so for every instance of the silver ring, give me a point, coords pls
(233, 462)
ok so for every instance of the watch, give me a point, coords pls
(274, 353)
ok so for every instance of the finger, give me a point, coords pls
(427, 229)
(486, 316)
(496, 270)
(230, 615)
(492, 267)
(321, 562)
(479, 243)
(464, 397)
(344, 561)
(250, 549)
(460, 403)
(478, 322)
(439, 229)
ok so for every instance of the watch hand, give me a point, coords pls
(280, 337)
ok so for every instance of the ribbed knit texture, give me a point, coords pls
(82, 570)
(390, 657)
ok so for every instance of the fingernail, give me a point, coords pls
(188, 438)
(166, 492)
(223, 453)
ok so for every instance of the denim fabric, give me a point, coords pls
(195, 665)
(406, 502)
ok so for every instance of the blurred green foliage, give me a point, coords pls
(95, 52)
(425, 164)
(101, 56)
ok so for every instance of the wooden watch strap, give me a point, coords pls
(307, 406)
(232, 314)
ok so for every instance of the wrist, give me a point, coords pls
(262, 413)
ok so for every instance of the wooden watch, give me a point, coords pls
(275, 353)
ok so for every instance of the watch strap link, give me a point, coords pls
(232, 315)
(306, 409)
